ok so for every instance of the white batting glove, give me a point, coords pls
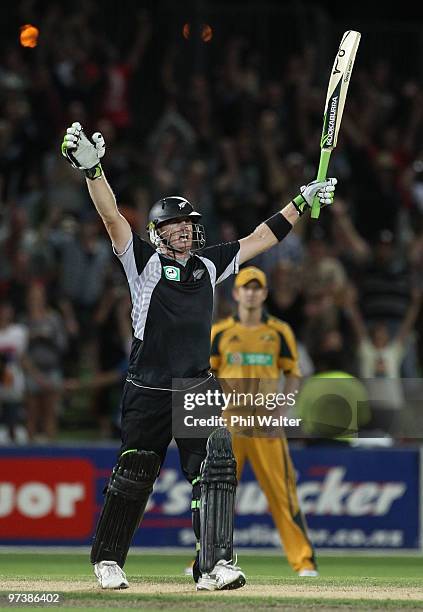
(324, 190)
(80, 152)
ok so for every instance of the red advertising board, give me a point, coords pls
(46, 498)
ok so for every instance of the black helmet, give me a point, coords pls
(170, 208)
(174, 207)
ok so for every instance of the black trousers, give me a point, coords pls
(147, 425)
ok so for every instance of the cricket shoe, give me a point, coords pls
(223, 577)
(308, 573)
(110, 575)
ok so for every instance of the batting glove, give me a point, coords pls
(324, 190)
(81, 153)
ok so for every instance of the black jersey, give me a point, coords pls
(172, 306)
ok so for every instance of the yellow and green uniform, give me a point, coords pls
(262, 352)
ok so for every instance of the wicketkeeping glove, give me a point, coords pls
(325, 191)
(81, 153)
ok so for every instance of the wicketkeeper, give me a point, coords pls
(171, 283)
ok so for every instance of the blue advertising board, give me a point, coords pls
(359, 499)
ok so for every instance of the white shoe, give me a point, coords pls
(110, 575)
(308, 573)
(224, 576)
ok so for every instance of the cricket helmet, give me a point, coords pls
(173, 208)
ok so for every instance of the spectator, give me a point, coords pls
(84, 260)
(385, 283)
(113, 330)
(321, 268)
(286, 300)
(13, 344)
(380, 357)
(43, 363)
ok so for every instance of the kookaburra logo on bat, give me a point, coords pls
(341, 53)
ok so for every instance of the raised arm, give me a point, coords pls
(352, 312)
(411, 316)
(273, 230)
(115, 223)
(348, 237)
(263, 238)
(85, 155)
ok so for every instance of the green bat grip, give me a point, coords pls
(321, 176)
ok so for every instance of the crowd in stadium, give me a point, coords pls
(236, 144)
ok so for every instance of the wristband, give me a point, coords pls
(279, 226)
(94, 173)
(300, 205)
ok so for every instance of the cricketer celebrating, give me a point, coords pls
(171, 285)
(254, 345)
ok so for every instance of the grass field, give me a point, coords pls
(157, 583)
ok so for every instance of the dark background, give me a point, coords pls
(234, 125)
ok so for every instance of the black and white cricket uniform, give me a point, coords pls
(172, 307)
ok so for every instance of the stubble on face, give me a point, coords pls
(178, 237)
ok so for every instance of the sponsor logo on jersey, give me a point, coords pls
(172, 273)
(252, 359)
(235, 339)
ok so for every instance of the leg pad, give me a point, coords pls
(217, 505)
(127, 495)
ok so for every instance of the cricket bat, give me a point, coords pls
(334, 106)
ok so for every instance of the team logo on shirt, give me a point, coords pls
(235, 358)
(235, 339)
(197, 274)
(172, 273)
